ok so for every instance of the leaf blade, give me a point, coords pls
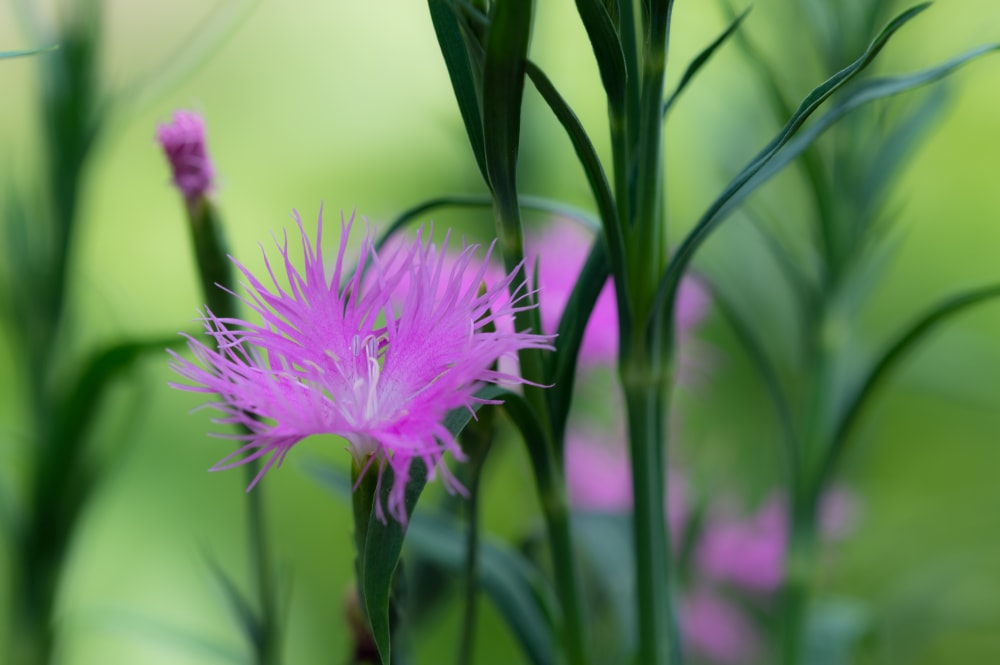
(456, 57)
(722, 205)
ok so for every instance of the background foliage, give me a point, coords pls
(349, 104)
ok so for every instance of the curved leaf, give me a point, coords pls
(738, 189)
(589, 284)
(456, 59)
(383, 545)
(607, 49)
(383, 540)
(587, 154)
(483, 201)
(701, 59)
(503, 89)
(888, 360)
(863, 93)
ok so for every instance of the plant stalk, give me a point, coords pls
(645, 401)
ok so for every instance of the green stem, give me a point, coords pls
(564, 562)
(555, 508)
(465, 648)
(645, 402)
(269, 639)
(215, 271)
(799, 578)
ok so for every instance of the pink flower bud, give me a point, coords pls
(183, 141)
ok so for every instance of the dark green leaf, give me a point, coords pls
(589, 283)
(503, 89)
(595, 272)
(456, 59)
(526, 420)
(591, 163)
(703, 58)
(607, 49)
(738, 188)
(383, 545)
(383, 540)
(518, 591)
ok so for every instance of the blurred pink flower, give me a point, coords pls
(183, 142)
(560, 252)
(749, 551)
(334, 355)
(717, 629)
(746, 551)
(599, 479)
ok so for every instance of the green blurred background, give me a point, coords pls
(348, 105)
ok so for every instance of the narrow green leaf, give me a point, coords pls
(383, 541)
(585, 151)
(383, 545)
(602, 260)
(65, 464)
(737, 188)
(20, 54)
(456, 59)
(477, 442)
(701, 59)
(526, 420)
(592, 167)
(515, 587)
(79, 405)
(589, 283)
(535, 203)
(863, 93)
(887, 361)
(607, 49)
(503, 89)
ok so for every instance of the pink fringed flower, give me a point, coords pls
(183, 142)
(343, 354)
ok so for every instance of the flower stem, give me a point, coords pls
(471, 575)
(645, 401)
(268, 645)
(798, 583)
(215, 271)
(564, 562)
